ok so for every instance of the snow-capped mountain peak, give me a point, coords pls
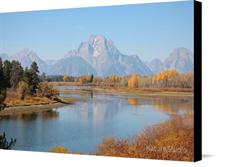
(100, 56)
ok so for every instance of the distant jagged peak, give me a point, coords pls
(156, 60)
(71, 53)
(181, 59)
(97, 39)
(25, 52)
(182, 51)
(97, 46)
(4, 56)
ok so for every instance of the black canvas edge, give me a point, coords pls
(197, 81)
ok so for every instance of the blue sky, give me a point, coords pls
(148, 30)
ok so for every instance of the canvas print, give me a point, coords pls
(109, 81)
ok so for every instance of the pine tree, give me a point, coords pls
(33, 78)
(91, 78)
(6, 73)
(2, 84)
(16, 73)
(2, 87)
(43, 77)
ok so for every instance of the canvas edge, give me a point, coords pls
(197, 81)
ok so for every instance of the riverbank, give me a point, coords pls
(39, 106)
(170, 140)
(149, 92)
(146, 92)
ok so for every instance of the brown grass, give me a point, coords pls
(59, 149)
(172, 140)
(62, 149)
(13, 99)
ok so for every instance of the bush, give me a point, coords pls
(45, 89)
(62, 149)
(59, 149)
(172, 140)
(2, 98)
(22, 89)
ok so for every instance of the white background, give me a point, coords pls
(216, 91)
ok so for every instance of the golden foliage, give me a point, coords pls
(133, 81)
(84, 79)
(62, 149)
(164, 79)
(22, 88)
(114, 78)
(46, 89)
(165, 75)
(172, 140)
(76, 79)
(172, 78)
(65, 77)
(59, 149)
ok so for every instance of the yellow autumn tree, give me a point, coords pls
(133, 81)
(84, 79)
(76, 79)
(65, 78)
(22, 88)
(166, 78)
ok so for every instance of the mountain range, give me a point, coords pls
(99, 56)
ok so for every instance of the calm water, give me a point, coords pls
(83, 125)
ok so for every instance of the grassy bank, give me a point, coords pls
(33, 105)
(172, 140)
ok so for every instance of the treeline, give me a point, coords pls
(25, 81)
(164, 79)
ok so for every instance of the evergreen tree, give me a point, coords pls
(2, 87)
(6, 73)
(26, 75)
(91, 78)
(43, 77)
(16, 73)
(33, 78)
(2, 84)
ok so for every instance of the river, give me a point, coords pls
(83, 125)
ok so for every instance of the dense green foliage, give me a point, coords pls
(12, 73)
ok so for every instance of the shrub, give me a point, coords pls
(22, 89)
(62, 149)
(45, 89)
(65, 78)
(172, 140)
(59, 149)
(2, 98)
